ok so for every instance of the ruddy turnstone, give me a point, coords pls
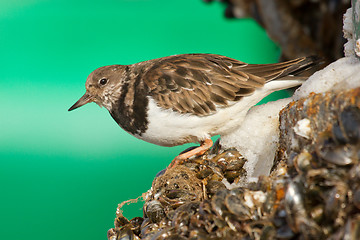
(187, 98)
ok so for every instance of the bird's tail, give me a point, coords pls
(299, 67)
(278, 71)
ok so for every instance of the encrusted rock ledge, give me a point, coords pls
(305, 124)
(313, 191)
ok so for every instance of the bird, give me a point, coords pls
(187, 98)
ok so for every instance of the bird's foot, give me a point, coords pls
(196, 151)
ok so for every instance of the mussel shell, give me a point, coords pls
(232, 175)
(236, 206)
(302, 161)
(217, 201)
(228, 156)
(126, 234)
(350, 123)
(204, 173)
(136, 224)
(180, 195)
(154, 211)
(294, 205)
(331, 152)
(213, 186)
(338, 135)
(235, 165)
(335, 200)
(183, 214)
(121, 221)
(111, 234)
(148, 229)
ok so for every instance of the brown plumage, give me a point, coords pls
(195, 83)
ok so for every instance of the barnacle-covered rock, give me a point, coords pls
(326, 114)
(312, 192)
(322, 195)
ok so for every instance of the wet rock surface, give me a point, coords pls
(313, 191)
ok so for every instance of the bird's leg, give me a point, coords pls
(205, 145)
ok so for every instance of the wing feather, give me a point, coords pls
(197, 83)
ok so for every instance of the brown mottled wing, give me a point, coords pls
(195, 83)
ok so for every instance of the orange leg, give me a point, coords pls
(196, 151)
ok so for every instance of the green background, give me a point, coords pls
(62, 173)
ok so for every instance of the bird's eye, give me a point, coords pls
(103, 81)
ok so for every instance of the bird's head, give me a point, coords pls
(101, 86)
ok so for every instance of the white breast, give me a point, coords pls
(169, 128)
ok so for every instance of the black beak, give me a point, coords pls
(86, 98)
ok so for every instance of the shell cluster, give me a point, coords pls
(313, 191)
(323, 190)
